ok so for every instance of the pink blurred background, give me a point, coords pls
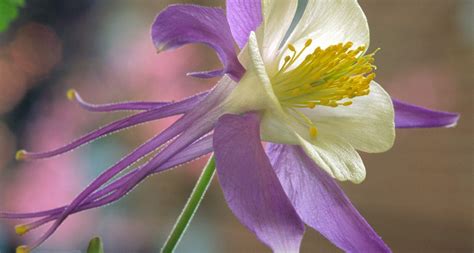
(417, 196)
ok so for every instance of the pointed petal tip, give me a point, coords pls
(321, 203)
(454, 118)
(160, 47)
(412, 116)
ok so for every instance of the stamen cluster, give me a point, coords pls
(328, 77)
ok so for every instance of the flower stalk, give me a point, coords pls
(191, 206)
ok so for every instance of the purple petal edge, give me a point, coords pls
(243, 16)
(321, 203)
(181, 24)
(250, 186)
(412, 116)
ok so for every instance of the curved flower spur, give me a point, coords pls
(302, 82)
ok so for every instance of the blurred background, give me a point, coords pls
(418, 196)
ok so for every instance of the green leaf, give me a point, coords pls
(95, 246)
(8, 12)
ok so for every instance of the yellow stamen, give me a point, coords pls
(291, 47)
(20, 155)
(23, 249)
(325, 77)
(22, 229)
(71, 94)
(313, 132)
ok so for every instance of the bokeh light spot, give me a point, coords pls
(36, 49)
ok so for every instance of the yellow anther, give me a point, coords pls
(71, 94)
(20, 155)
(371, 76)
(326, 77)
(348, 45)
(291, 47)
(313, 132)
(311, 105)
(21, 229)
(23, 249)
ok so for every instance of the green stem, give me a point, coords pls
(191, 206)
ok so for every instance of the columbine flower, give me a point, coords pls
(304, 83)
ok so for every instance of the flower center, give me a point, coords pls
(326, 77)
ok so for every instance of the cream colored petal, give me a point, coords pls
(329, 22)
(336, 156)
(368, 124)
(277, 17)
(255, 93)
(332, 22)
(278, 128)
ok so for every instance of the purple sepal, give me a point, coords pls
(321, 203)
(193, 151)
(191, 127)
(243, 16)
(412, 116)
(250, 186)
(180, 24)
(153, 114)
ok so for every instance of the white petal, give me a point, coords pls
(329, 22)
(332, 22)
(336, 156)
(277, 17)
(368, 124)
(255, 93)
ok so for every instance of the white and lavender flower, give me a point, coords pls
(303, 83)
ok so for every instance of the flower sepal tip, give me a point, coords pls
(160, 48)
